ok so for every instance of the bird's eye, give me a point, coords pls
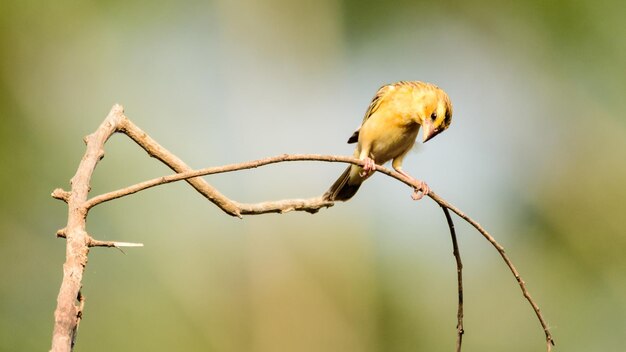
(433, 116)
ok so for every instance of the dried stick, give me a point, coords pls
(155, 150)
(507, 260)
(311, 205)
(70, 302)
(459, 275)
(314, 204)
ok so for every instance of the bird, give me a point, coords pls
(389, 131)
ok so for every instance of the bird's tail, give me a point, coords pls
(344, 188)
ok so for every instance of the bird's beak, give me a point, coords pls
(429, 132)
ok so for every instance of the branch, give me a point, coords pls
(311, 205)
(155, 150)
(459, 275)
(314, 204)
(507, 260)
(70, 302)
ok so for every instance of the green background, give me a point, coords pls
(536, 153)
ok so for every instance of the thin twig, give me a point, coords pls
(459, 275)
(310, 205)
(507, 260)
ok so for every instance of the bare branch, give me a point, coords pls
(70, 302)
(310, 205)
(155, 150)
(507, 260)
(314, 204)
(459, 275)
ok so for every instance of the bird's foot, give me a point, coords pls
(421, 191)
(422, 188)
(368, 168)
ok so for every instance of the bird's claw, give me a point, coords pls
(368, 168)
(421, 191)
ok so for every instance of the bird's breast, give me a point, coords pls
(391, 137)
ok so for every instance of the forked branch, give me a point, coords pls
(70, 301)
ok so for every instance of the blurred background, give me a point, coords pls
(536, 153)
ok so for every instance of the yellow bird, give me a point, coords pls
(389, 130)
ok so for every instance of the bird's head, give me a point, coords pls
(436, 114)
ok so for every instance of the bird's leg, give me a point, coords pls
(421, 190)
(368, 168)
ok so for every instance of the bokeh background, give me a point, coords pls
(536, 153)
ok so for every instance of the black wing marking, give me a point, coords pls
(355, 137)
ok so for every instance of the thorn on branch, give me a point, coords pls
(60, 194)
(114, 244)
(61, 233)
(88, 138)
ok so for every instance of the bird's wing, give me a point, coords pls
(376, 101)
(371, 109)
